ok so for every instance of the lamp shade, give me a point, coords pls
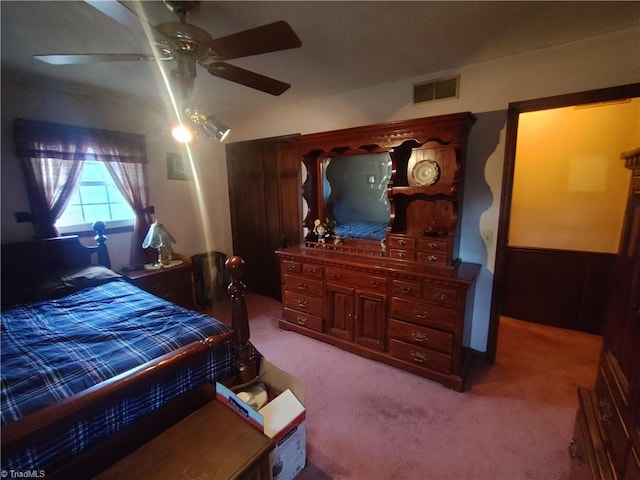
(158, 237)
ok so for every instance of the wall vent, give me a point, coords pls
(438, 89)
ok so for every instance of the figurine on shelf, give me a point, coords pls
(321, 230)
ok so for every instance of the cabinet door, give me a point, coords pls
(370, 319)
(339, 315)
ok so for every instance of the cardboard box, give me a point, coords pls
(282, 419)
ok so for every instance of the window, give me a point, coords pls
(95, 198)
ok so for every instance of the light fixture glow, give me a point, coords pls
(205, 126)
(182, 134)
(196, 124)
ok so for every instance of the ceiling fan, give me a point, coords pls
(189, 45)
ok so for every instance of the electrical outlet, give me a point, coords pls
(487, 236)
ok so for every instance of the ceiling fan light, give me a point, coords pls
(182, 134)
(216, 128)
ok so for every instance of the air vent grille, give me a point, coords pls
(438, 89)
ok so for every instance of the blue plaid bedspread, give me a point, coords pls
(54, 349)
(369, 230)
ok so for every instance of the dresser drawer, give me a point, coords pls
(404, 289)
(581, 451)
(423, 314)
(173, 284)
(445, 297)
(420, 356)
(434, 245)
(402, 254)
(433, 258)
(440, 296)
(304, 303)
(614, 431)
(303, 319)
(401, 243)
(422, 336)
(356, 280)
(289, 266)
(304, 285)
(312, 270)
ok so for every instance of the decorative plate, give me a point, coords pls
(425, 173)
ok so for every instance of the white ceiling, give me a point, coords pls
(345, 45)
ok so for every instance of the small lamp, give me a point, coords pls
(158, 237)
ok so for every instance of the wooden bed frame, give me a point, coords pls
(52, 254)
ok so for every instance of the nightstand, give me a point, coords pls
(174, 283)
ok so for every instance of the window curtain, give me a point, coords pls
(52, 156)
(125, 161)
(52, 161)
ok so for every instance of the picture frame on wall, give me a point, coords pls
(177, 167)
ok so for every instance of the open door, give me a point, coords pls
(501, 277)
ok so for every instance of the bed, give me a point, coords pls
(93, 367)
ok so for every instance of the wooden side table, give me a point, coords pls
(211, 443)
(174, 284)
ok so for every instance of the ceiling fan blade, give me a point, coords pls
(75, 59)
(267, 38)
(123, 15)
(247, 78)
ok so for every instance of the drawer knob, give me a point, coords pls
(421, 313)
(441, 296)
(418, 357)
(312, 270)
(375, 283)
(335, 276)
(291, 268)
(606, 413)
(419, 336)
(402, 242)
(575, 449)
(432, 258)
(432, 245)
(303, 303)
(301, 320)
(407, 290)
(302, 286)
(401, 255)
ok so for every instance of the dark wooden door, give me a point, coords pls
(264, 197)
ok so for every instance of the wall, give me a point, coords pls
(486, 89)
(570, 185)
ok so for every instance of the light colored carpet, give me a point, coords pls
(367, 420)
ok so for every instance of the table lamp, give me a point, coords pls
(158, 237)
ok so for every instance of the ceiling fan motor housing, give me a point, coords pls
(182, 9)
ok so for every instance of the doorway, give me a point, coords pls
(502, 245)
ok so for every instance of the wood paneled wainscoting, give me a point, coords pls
(562, 288)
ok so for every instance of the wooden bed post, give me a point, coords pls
(245, 366)
(101, 239)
